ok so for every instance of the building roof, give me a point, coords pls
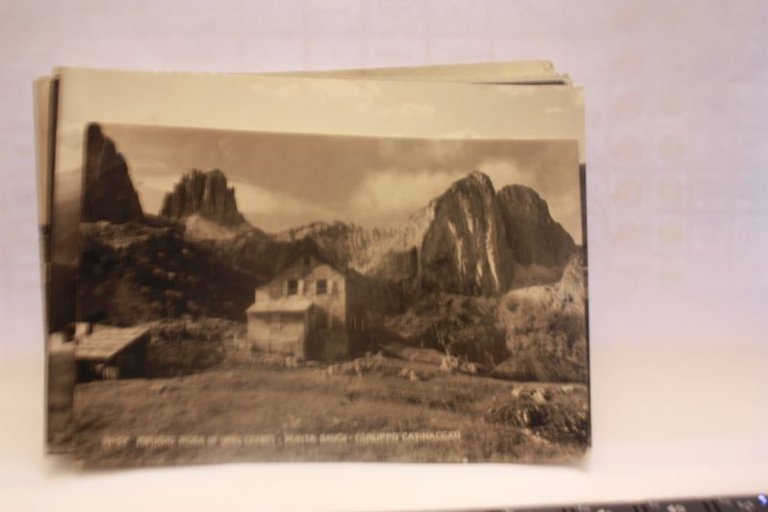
(106, 341)
(321, 259)
(290, 304)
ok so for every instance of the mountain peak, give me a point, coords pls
(531, 231)
(480, 177)
(525, 196)
(108, 191)
(473, 180)
(463, 250)
(203, 193)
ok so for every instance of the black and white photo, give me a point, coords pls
(270, 296)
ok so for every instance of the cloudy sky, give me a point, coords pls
(286, 180)
(284, 104)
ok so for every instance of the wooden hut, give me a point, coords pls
(106, 352)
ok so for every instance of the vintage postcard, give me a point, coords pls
(301, 297)
(347, 106)
(534, 72)
(59, 288)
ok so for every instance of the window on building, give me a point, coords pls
(322, 286)
(275, 322)
(293, 286)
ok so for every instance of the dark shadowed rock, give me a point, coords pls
(464, 250)
(205, 194)
(131, 273)
(108, 193)
(531, 232)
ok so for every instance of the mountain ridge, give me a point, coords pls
(471, 240)
(468, 240)
(108, 192)
(203, 193)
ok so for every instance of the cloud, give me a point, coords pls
(505, 172)
(262, 206)
(398, 193)
(152, 186)
(157, 181)
(286, 180)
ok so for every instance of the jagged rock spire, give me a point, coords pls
(205, 194)
(108, 192)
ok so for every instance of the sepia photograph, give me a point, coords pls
(267, 296)
(58, 273)
(289, 105)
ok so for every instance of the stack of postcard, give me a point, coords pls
(360, 265)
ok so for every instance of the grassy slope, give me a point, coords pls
(372, 397)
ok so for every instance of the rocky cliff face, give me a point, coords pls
(388, 253)
(205, 194)
(108, 193)
(464, 250)
(531, 232)
(469, 240)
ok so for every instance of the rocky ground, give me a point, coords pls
(546, 331)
